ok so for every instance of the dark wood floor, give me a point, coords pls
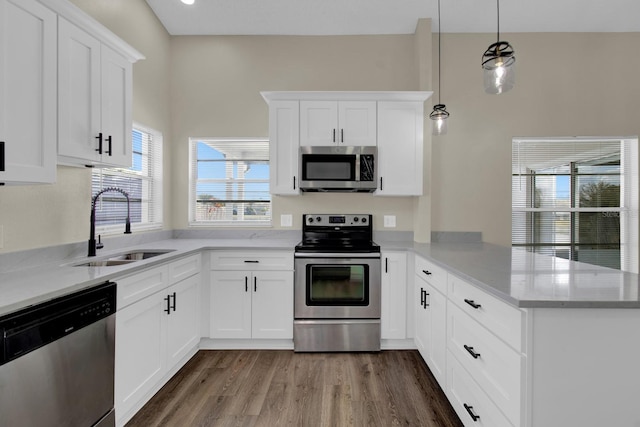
(283, 388)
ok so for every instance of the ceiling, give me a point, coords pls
(343, 17)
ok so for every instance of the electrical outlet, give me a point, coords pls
(286, 220)
(390, 221)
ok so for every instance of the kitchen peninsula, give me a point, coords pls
(529, 340)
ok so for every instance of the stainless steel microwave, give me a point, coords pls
(339, 168)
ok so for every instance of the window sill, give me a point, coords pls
(230, 224)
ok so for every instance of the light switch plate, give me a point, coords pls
(390, 221)
(286, 220)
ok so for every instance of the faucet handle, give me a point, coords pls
(99, 245)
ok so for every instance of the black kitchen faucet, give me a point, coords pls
(92, 233)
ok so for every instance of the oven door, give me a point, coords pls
(337, 286)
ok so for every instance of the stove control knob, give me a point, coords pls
(356, 219)
(364, 220)
(319, 219)
(309, 220)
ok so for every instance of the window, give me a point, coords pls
(577, 198)
(142, 181)
(229, 182)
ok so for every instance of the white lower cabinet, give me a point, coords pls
(153, 335)
(393, 316)
(252, 304)
(472, 405)
(251, 295)
(431, 317)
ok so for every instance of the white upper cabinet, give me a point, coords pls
(94, 102)
(400, 148)
(393, 121)
(328, 123)
(27, 92)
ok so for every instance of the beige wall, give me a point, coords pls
(209, 86)
(566, 84)
(216, 84)
(45, 215)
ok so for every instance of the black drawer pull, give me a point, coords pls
(1, 156)
(472, 414)
(427, 272)
(472, 303)
(246, 284)
(251, 261)
(471, 351)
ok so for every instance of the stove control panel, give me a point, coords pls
(337, 220)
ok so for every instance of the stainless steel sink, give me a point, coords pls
(124, 258)
(104, 263)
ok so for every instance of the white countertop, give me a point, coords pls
(517, 277)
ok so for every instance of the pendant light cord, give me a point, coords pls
(439, 57)
(498, 11)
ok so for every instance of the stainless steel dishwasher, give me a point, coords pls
(57, 361)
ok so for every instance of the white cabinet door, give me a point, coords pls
(400, 148)
(284, 137)
(437, 330)
(422, 336)
(117, 90)
(95, 101)
(337, 123)
(230, 304)
(79, 104)
(272, 304)
(141, 342)
(393, 316)
(28, 92)
(357, 122)
(183, 321)
(318, 123)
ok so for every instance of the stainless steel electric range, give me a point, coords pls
(337, 285)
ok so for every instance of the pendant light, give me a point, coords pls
(439, 114)
(498, 64)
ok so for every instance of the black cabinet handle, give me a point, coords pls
(472, 303)
(246, 284)
(427, 272)
(99, 138)
(422, 297)
(255, 284)
(294, 182)
(471, 351)
(174, 302)
(386, 265)
(109, 141)
(472, 414)
(251, 261)
(1, 156)
(342, 135)
(380, 183)
(334, 135)
(168, 309)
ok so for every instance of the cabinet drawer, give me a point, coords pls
(471, 404)
(433, 274)
(183, 268)
(252, 260)
(500, 318)
(137, 286)
(496, 367)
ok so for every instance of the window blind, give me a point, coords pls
(229, 181)
(142, 181)
(577, 198)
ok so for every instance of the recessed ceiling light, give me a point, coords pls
(188, 1)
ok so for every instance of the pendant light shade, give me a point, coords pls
(439, 115)
(498, 65)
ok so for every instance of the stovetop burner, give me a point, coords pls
(324, 233)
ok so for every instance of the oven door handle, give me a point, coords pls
(337, 255)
